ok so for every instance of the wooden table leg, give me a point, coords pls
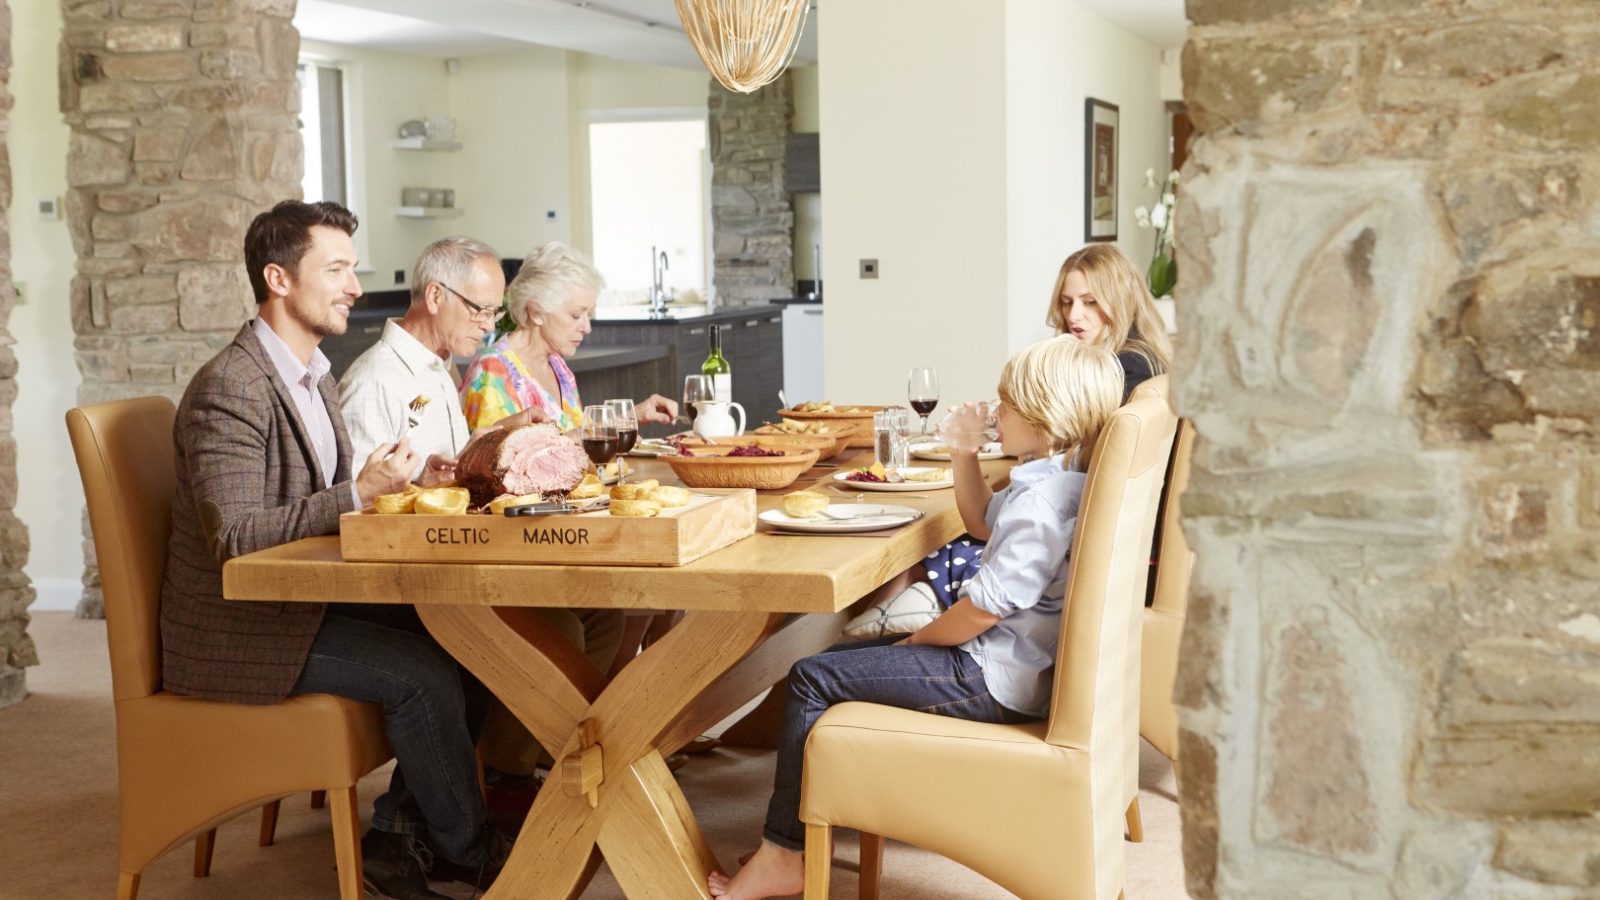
(640, 819)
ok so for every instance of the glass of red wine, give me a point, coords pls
(922, 389)
(627, 421)
(695, 389)
(599, 436)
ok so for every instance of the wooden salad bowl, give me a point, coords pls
(711, 467)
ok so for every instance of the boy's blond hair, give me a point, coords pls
(1065, 388)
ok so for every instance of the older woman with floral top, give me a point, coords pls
(551, 301)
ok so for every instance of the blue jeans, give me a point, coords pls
(945, 681)
(432, 711)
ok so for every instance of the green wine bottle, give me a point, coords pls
(717, 368)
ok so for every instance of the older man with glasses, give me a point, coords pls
(409, 375)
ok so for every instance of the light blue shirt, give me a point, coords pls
(1023, 580)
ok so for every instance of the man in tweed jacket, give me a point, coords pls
(263, 458)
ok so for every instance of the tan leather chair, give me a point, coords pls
(1037, 807)
(1163, 618)
(185, 765)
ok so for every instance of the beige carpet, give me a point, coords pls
(58, 827)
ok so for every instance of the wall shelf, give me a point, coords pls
(422, 143)
(428, 212)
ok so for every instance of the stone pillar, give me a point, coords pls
(1390, 682)
(16, 647)
(183, 116)
(752, 218)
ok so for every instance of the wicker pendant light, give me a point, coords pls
(744, 43)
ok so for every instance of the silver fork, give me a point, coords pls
(413, 416)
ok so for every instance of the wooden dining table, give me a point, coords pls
(751, 610)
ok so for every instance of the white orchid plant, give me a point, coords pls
(1163, 272)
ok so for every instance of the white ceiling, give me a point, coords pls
(1161, 22)
(639, 30)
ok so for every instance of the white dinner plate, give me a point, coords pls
(841, 479)
(843, 518)
(941, 453)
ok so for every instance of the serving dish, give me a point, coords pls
(712, 467)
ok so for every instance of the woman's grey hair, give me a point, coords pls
(449, 262)
(548, 278)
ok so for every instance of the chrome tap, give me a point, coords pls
(658, 268)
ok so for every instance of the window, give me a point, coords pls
(322, 128)
(648, 188)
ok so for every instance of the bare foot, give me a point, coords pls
(771, 872)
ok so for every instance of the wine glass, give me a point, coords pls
(599, 436)
(922, 389)
(627, 420)
(695, 389)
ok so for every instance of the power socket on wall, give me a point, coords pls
(399, 276)
(869, 268)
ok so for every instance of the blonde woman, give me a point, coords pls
(1101, 299)
(988, 657)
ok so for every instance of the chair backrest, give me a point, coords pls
(1170, 589)
(125, 459)
(1095, 706)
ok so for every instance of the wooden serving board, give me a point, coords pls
(858, 424)
(712, 520)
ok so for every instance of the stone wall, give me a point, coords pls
(183, 117)
(752, 219)
(16, 647)
(1390, 683)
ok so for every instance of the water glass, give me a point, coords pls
(902, 444)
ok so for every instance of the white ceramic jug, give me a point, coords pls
(712, 419)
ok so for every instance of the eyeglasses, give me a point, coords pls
(479, 313)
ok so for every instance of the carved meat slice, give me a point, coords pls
(533, 459)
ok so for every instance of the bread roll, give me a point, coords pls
(635, 509)
(670, 496)
(395, 504)
(499, 505)
(635, 490)
(589, 487)
(449, 501)
(804, 504)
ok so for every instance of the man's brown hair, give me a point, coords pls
(282, 235)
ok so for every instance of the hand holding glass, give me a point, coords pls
(969, 426)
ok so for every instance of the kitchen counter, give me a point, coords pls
(641, 315)
(594, 359)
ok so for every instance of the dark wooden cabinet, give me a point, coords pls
(752, 342)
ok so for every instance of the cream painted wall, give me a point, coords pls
(387, 89)
(954, 156)
(913, 164)
(1046, 91)
(807, 206)
(511, 115)
(50, 498)
(1172, 76)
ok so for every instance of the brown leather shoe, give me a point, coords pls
(394, 866)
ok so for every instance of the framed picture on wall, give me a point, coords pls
(1100, 144)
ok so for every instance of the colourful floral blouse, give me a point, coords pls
(498, 384)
